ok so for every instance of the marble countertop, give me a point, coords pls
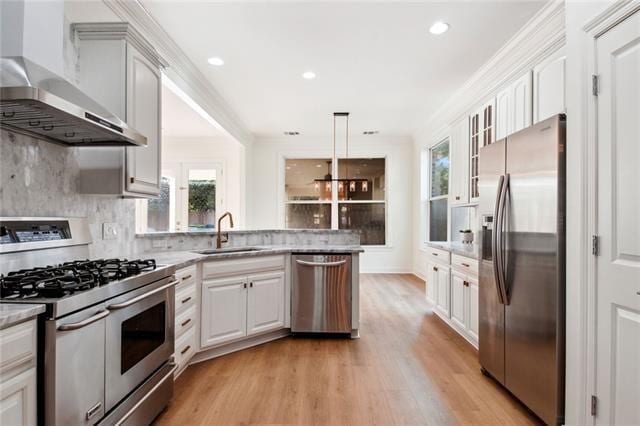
(159, 234)
(14, 313)
(468, 250)
(183, 258)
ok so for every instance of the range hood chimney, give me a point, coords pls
(34, 97)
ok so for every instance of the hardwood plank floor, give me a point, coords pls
(407, 368)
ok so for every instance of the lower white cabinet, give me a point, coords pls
(240, 306)
(444, 292)
(224, 310)
(464, 303)
(265, 302)
(18, 399)
(432, 283)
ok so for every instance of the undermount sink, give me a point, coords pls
(230, 250)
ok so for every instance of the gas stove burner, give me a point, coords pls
(69, 278)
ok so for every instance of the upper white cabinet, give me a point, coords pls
(513, 107)
(549, 87)
(459, 173)
(121, 70)
(482, 132)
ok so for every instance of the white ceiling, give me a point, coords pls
(376, 60)
(179, 120)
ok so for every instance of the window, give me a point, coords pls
(190, 198)
(356, 201)
(438, 191)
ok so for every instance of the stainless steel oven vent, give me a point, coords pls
(37, 102)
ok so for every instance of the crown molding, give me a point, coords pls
(540, 37)
(181, 69)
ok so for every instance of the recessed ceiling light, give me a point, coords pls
(309, 75)
(215, 61)
(439, 28)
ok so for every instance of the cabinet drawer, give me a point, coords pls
(439, 255)
(185, 347)
(466, 264)
(185, 276)
(185, 320)
(17, 345)
(185, 297)
(241, 266)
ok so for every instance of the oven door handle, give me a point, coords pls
(84, 323)
(144, 398)
(141, 297)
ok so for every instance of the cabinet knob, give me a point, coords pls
(251, 284)
(132, 180)
(457, 197)
(244, 285)
(435, 269)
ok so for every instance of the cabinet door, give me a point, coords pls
(549, 87)
(18, 399)
(472, 311)
(504, 113)
(432, 282)
(488, 121)
(265, 303)
(458, 303)
(224, 310)
(475, 143)
(459, 174)
(444, 290)
(144, 115)
(522, 103)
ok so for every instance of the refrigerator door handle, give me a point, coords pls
(501, 259)
(494, 239)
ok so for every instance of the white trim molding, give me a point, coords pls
(181, 70)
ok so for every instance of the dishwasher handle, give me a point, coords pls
(321, 264)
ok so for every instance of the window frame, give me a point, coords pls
(427, 197)
(335, 201)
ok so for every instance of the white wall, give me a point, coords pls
(206, 150)
(267, 211)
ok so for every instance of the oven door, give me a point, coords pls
(139, 337)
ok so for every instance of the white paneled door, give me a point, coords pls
(618, 223)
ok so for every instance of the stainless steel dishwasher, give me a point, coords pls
(321, 293)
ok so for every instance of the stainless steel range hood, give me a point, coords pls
(37, 102)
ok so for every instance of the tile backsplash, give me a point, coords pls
(39, 178)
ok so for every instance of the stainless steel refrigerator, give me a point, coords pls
(522, 267)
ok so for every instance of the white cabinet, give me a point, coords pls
(247, 304)
(482, 132)
(458, 315)
(265, 303)
(473, 319)
(549, 87)
(18, 399)
(513, 107)
(464, 298)
(18, 405)
(444, 292)
(224, 310)
(459, 173)
(119, 69)
(432, 283)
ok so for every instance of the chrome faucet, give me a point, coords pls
(223, 238)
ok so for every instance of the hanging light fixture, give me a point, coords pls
(328, 179)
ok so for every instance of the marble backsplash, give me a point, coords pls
(39, 178)
(196, 241)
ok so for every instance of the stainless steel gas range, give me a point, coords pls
(107, 339)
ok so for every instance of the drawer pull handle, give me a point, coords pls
(186, 277)
(182, 352)
(457, 197)
(186, 300)
(185, 322)
(465, 264)
(435, 254)
(93, 410)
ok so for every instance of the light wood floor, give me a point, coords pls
(407, 368)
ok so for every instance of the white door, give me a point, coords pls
(458, 299)
(522, 103)
(265, 303)
(504, 112)
(18, 399)
(143, 114)
(472, 308)
(432, 282)
(224, 310)
(618, 224)
(549, 87)
(444, 293)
